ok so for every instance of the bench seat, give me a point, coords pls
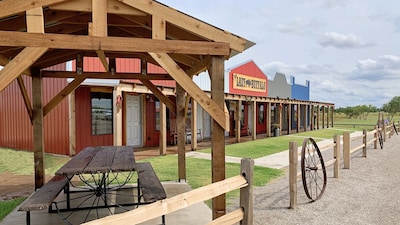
(149, 186)
(44, 197)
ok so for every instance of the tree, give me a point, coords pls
(392, 107)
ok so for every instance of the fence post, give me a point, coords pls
(346, 150)
(364, 153)
(384, 132)
(293, 161)
(246, 193)
(376, 137)
(336, 154)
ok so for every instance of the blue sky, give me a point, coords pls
(349, 50)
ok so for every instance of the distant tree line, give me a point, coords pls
(362, 111)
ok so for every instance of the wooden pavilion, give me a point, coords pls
(36, 34)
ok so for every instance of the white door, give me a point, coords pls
(134, 120)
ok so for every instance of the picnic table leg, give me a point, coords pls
(28, 218)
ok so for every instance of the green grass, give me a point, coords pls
(198, 172)
(7, 206)
(21, 162)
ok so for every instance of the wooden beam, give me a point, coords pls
(63, 94)
(121, 44)
(218, 134)
(188, 23)
(11, 7)
(19, 64)
(181, 201)
(37, 122)
(180, 127)
(106, 75)
(25, 96)
(98, 27)
(215, 111)
(164, 99)
(35, 20)
(113, 7)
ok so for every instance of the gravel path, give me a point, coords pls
(367, 193)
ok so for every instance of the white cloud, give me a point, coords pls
(343, 41)
(298, 26)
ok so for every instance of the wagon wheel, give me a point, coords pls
(312, 170)
(380, 139)
(101, 195)
(395, 129)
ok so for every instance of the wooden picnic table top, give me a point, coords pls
(100, 159)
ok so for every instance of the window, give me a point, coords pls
(261, 113)
(157, 102)
(102, 113)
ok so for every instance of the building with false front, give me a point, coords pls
(125, 112)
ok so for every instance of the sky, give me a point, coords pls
(349, 50)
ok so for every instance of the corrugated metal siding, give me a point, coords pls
(84, 137)
(15, 126)
(279, 87)
(248, 69)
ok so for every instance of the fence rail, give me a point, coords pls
(244, 214)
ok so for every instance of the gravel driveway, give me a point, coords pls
(367, 193)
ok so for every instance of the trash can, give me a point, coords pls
(276, 134)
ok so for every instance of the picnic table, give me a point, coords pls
(103, 187)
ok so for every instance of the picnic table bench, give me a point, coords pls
(149, 186)
(44, 197)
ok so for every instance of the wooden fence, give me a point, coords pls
(244, 214)
(368, 138)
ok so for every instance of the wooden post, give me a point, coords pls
(323, 117)
(238, 115)
(254, 120)
(163, 129)
(72, 124)
(193, 141)
(289, 118)
(336, 155)
(298, 118)
(180, 128)
(346, 150)
(246, 193)
(268, 118)
(117, 117)
(293, 161)
(38, 137)
(364, 152)
(384, 131)
(376, 137)
(218, 134)
(333, 116)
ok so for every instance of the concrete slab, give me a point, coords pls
(196, 214)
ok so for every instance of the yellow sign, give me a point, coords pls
(248, 83)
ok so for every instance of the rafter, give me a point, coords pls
(189, 23)
(62, 41)
(19, 64)
(190, 87)
(164, 99)
(11, 7)
(63, 94)
(113, 7)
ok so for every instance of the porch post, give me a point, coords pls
(180, 128)
(217, 136)
(193, 141)
(37, 122)
(268, 118)
(254, 120)
(237, 120)
(163, 129)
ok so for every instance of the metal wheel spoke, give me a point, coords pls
(312, 169)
